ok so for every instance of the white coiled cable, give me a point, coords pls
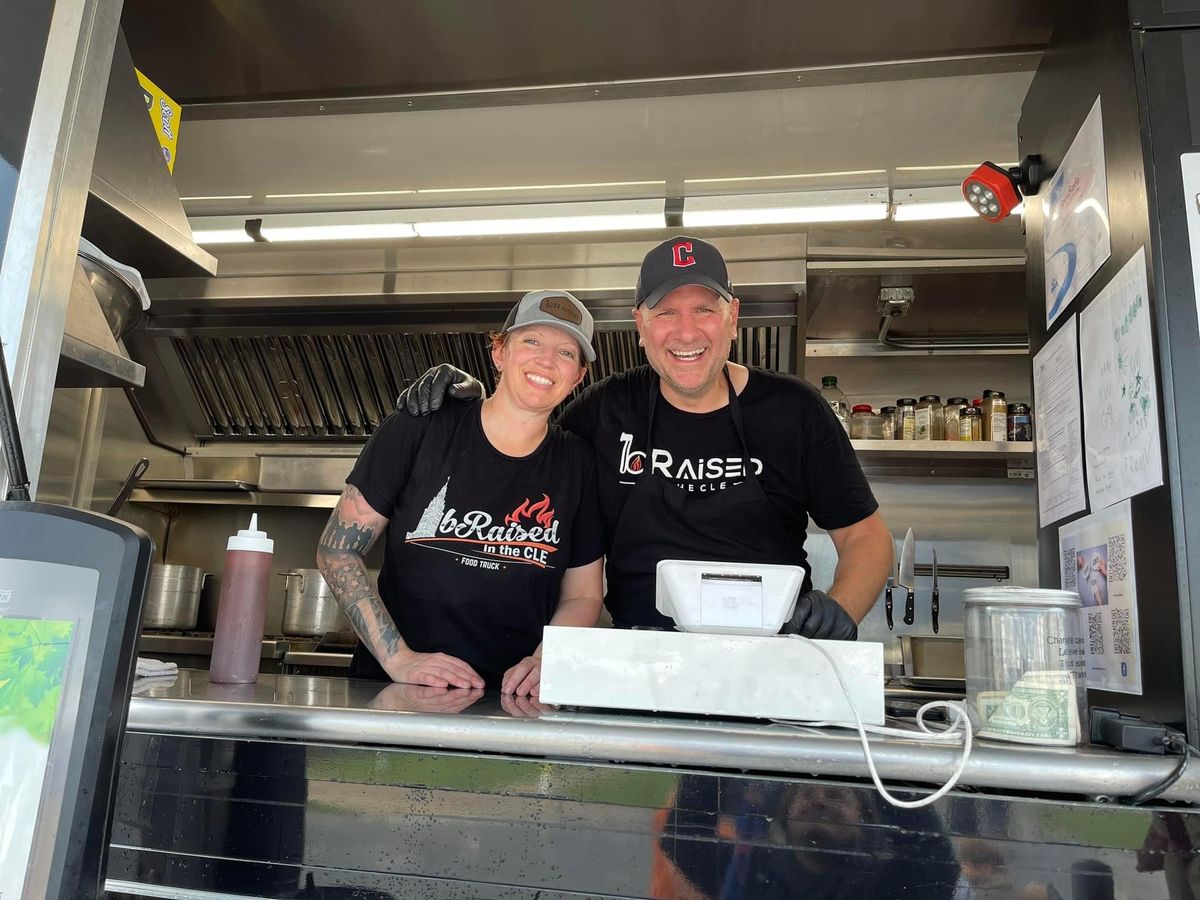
(955, 731)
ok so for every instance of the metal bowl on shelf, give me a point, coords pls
(119, 301)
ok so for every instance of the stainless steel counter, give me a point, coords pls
(339, 711)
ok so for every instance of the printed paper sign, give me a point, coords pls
(1075, 242)
(1097, 562)
(1120, 389)
(1059, 430)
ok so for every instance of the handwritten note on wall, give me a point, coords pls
(1120, 389)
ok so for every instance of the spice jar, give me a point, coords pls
(887, 418)
(995, 416)
(1020, 422)
(970, 424)
(906, 419)
(931, 422)
(953, 412)
(865, 425)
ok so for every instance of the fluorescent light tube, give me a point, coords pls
(345, 232)
(222, 236)
(539, 218)
(928, 204)
(942, 209)
(546, 225)
(784, 209)
(785, 215)
(362, 225)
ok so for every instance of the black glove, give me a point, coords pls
(425, 395)
(818, 615)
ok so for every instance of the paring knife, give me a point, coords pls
(887, 594)
(936, 604)
(907, 577)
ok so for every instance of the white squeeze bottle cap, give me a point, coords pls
(251, 539)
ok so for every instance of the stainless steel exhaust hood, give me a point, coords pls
(319, 357)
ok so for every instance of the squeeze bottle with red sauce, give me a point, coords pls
(237, 646)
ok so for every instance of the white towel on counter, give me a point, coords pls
(154, 668)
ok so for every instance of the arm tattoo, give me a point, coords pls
(340, 552)
(342, 535)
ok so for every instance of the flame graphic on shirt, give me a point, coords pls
(541, 512)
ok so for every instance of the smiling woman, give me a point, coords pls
(492, 519)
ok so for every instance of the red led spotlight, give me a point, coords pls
(994, 191)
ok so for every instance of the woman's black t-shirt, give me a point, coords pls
(477, 542)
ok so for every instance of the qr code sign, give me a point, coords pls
(1068, 564)
(1122, 633)
(1118, 559)
(1096, 633)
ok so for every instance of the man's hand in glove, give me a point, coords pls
(425, 395)
(818, 615)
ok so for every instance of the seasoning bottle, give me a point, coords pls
(237, 645)
(836, 399)
(887, 419)
(1020, 422)
(906, 419)
(953, 412)
(970, 424)
(931, 421)
(865, 425)
(995, 416)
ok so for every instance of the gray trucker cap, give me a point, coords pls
(557, 308)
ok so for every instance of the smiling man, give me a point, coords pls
(702, 458)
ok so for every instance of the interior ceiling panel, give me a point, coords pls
(220, 50)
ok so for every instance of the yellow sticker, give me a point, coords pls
(165, 114)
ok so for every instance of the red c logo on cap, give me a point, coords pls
(681, 260)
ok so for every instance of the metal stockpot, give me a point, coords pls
(309, 607)
(173, 597)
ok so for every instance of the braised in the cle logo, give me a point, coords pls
(698, 475)
(682, 254)
(527, 535)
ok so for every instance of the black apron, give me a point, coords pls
(661, 521)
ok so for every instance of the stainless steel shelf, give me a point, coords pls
(945, 449)
(318, 660)
(951, 459)
(201, 645)
(81, 364)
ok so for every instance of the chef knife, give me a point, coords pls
(887, 592)
(936, 603)
(907, 577)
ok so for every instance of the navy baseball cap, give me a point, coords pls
(680, 261)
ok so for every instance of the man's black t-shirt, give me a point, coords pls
(477, 542)
(798, 449)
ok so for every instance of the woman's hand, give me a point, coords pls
(434, 669)
(524, 678)
(524, 707)
(423, 698)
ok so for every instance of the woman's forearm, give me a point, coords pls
(346, 574)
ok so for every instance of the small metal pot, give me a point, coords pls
(309, 607)
(173, 597)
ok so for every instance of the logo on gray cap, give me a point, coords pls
(561, 308)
